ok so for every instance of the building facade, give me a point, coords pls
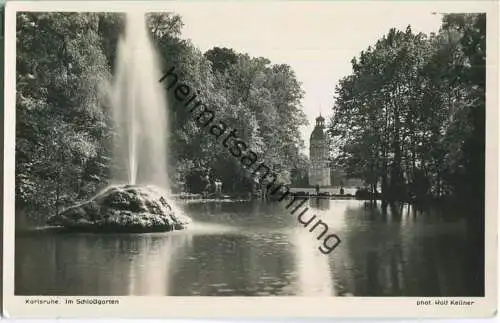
(319, 171)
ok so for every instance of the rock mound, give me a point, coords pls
(129, 208)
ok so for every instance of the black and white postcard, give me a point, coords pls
(251, 159)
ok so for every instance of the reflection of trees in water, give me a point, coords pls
(141, 263)
(252, 214)
(235, 265)
(264, 264)
(391, 254)
(34, 257)
(380, 255)
(375, 211)
(95, 264)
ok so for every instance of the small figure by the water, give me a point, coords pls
(317, 189)
(218, 187)
(206, 185)
(341, 191)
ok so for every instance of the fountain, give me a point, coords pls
(137, 200)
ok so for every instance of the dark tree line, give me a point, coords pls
(63, 126)
(410, 119)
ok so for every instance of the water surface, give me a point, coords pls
(256, 249)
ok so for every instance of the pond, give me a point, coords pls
(256, 249)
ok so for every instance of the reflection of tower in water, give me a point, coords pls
(312, 267)
(319, 203)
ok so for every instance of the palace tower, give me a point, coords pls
(319, 171)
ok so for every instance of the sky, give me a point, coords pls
(318, 40)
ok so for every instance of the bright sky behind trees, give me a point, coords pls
(318, 40)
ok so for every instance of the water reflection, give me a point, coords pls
(394, 254)
(256, 249)
(313, 271)
(91, 264)
(319, 203)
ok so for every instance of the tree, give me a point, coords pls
(411, 116)
(59, 119)
(64, 132)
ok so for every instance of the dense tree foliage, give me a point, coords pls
(410, 118)
(263, 104)
(60, 120)
(63, 131)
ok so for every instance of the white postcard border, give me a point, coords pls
(256, 307)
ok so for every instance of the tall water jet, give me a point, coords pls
(138, 200)
(139, 109)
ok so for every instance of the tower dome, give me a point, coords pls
(318, 132)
